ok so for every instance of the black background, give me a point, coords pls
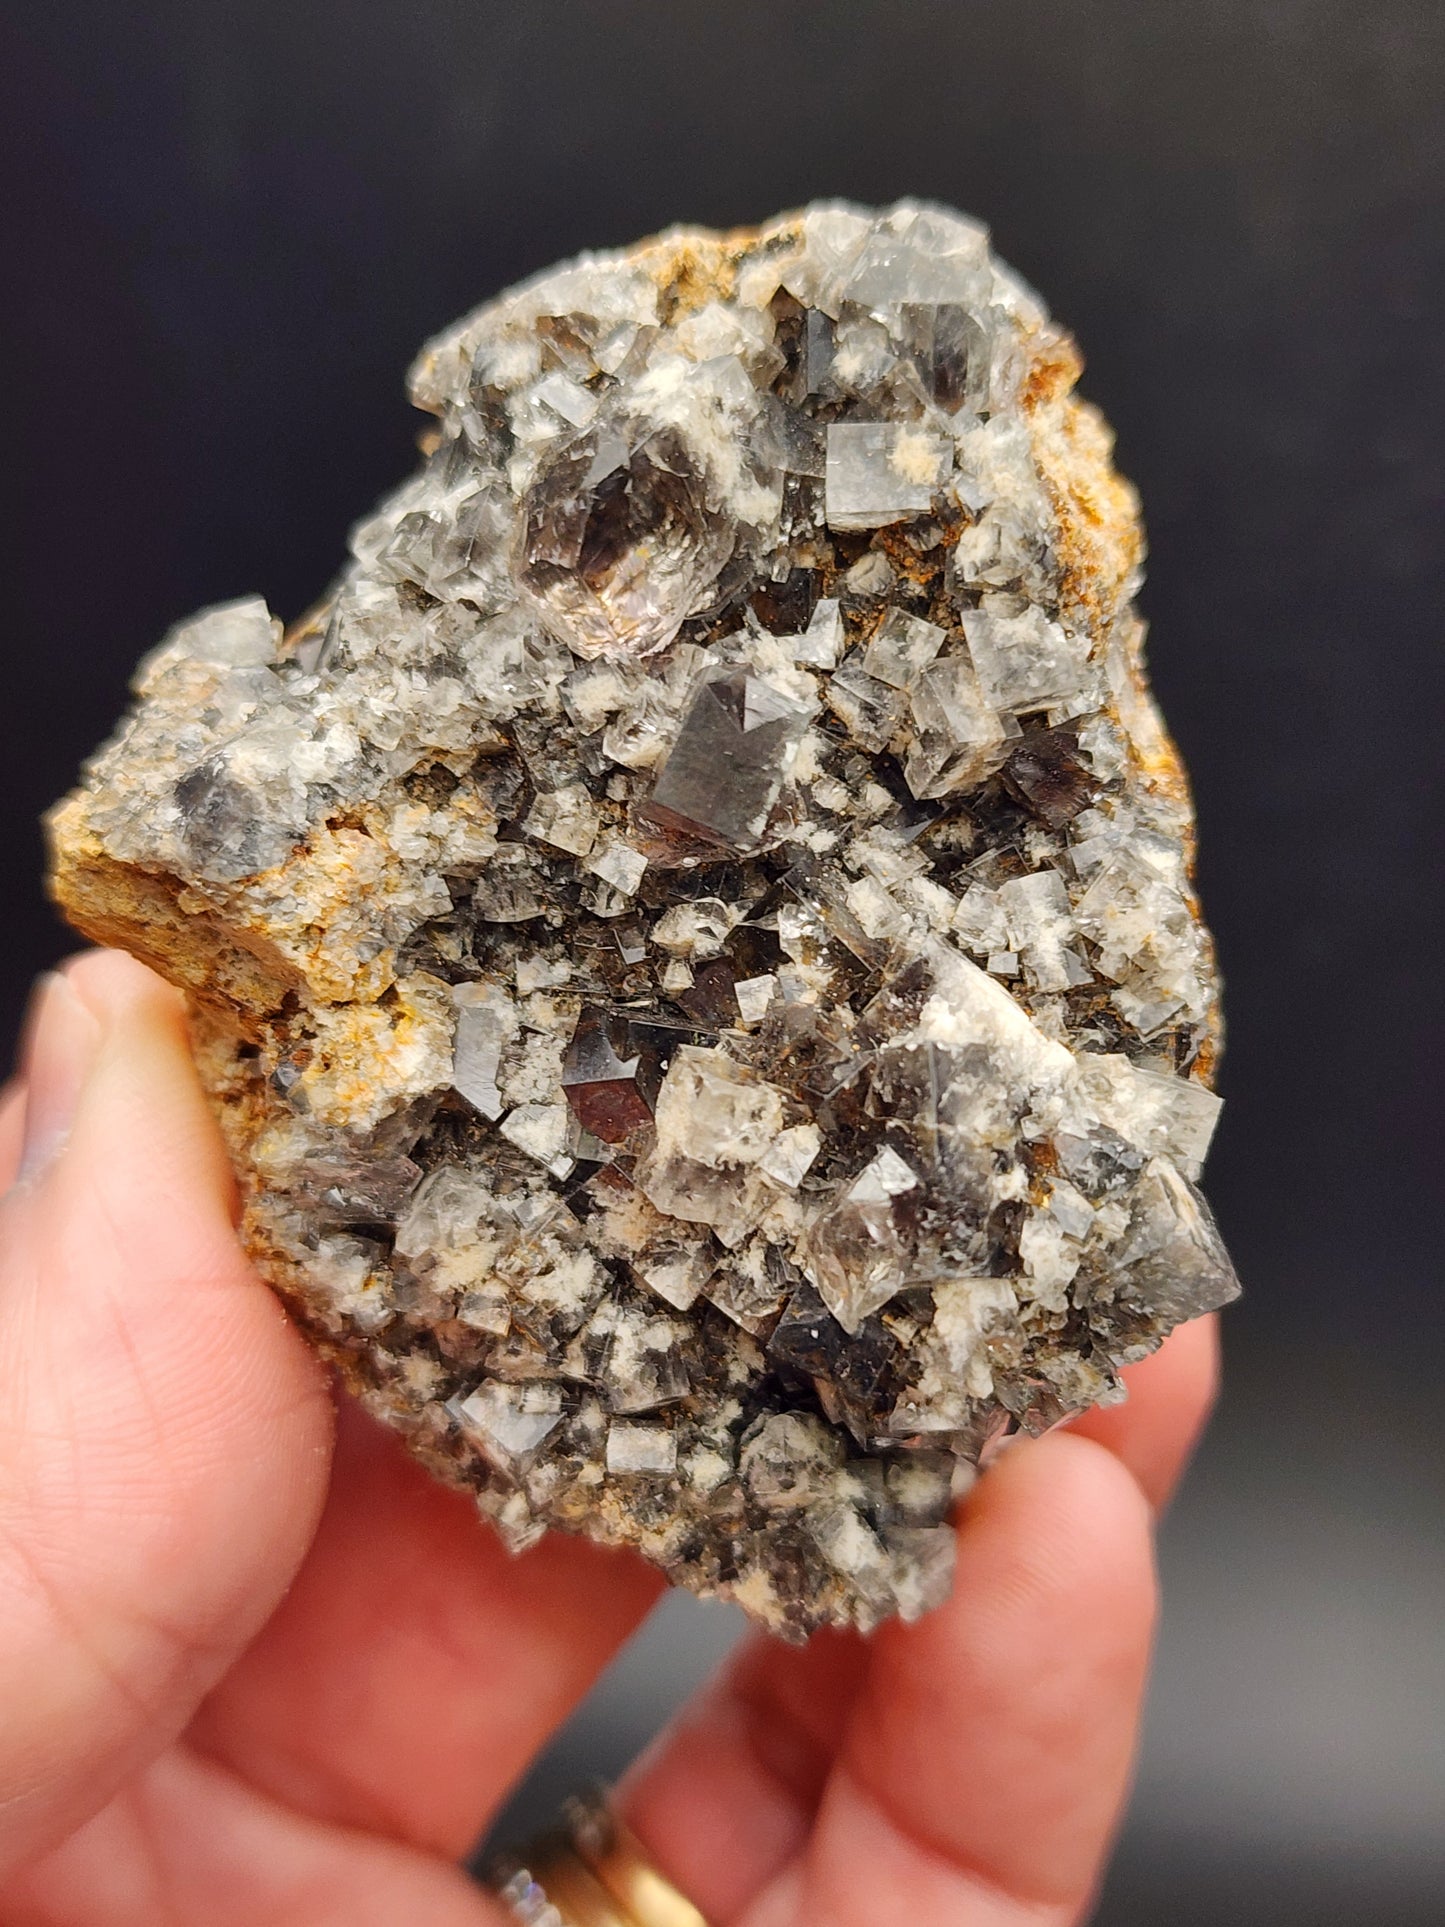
(228, 229)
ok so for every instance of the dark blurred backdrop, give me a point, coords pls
(229, 227)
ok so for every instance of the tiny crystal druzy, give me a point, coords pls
(691, 940)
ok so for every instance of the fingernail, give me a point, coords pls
(61, 1039)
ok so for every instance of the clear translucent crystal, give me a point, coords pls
(881, 472)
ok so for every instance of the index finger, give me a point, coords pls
(988, 1754)
(1155, 1430)
(12, 1128)
(965, 1769)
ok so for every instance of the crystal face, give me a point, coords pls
(729, 760)
(692, 941)
(618, 542)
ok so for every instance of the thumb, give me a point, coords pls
(164, 1433)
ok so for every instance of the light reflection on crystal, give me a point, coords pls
(731, 759)
(881, 472)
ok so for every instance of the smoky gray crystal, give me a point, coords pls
(727, 767)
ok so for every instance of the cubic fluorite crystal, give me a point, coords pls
(692, 938)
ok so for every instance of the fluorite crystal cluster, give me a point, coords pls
(692, 939)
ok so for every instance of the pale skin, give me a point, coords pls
(257, 1669)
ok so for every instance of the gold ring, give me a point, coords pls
(589, 1871)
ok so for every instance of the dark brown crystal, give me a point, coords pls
(609, 1081)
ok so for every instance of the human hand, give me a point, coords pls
(250, 1681)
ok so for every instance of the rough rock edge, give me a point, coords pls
(236, 978)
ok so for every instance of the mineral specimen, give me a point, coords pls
(692, 939)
